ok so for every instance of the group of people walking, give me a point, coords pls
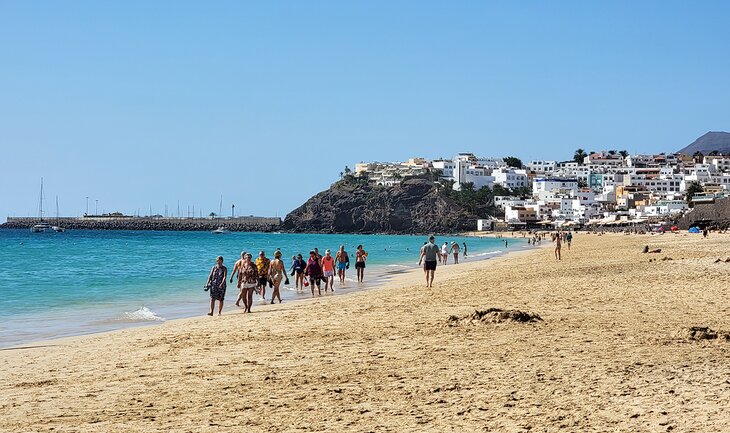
(254, 276)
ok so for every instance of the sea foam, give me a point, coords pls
(142, 314)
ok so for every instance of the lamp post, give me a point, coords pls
(96, 209)
(233, 207)
(87, 205)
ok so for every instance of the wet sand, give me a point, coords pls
(611, 353)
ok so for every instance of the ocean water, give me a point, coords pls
(85, 281)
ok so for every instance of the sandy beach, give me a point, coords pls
(611, 353)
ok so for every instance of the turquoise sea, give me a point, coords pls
(83, 281)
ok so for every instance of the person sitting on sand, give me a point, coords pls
(262, 264)
(276, 275)
(429, 258)
(314, 271)
(248, 276)
(360, 257)
(328, 269)
(654, 251)
(343, 263)
(217, 285)
(237, 270)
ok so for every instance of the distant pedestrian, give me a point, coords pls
(248, 277)
(445, 252)
(237, 270)
(277, 274)
(455, 251)
(557, 247)
(361, 257)
(464, 244)
(429, 258)
(314, 272)
(217, 285)
(328, 269)
(297, 271)
(262, 264)
(343, 263)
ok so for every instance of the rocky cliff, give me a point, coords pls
(414, 206)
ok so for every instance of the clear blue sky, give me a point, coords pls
(139, 103)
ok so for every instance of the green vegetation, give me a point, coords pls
(694, 188)
(579, 155)
(512, 161)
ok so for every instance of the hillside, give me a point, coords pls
(414, 206)
(712, 141)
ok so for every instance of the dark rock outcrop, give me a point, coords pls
(415, 206)
(712, 215)
(717, 141)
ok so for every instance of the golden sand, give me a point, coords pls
(609, 355)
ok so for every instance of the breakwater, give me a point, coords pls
(234, 224)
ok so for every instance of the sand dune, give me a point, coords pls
(612, 352)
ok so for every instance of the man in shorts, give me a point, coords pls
(360, 257)
(237, 269)
(429, 257)
(262, 264)
(343, 263)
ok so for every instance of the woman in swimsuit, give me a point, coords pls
(276, 275)
(248, 277)
(328, 266)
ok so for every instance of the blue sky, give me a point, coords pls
(140, 104)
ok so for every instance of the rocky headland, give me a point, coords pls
(415, 206)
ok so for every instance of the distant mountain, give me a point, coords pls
(719, 141)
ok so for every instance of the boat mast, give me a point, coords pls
(40, 203)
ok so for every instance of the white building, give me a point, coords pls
(509, 177)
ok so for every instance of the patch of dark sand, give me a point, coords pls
(698, 333)
(493, 315)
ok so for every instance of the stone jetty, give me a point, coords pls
(235, 224)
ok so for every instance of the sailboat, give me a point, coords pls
(41, 227)
(57, 228)
(221, 229)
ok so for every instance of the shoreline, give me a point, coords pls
(380, 276)
(612, 351)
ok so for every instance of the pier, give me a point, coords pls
(124, 222)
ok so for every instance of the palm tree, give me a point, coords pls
(697, 156)
(579, 156)
(624, 154)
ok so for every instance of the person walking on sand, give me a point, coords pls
(360, 257)
(217, 285)
(557, 247)
(314, 272)
(237, 270)
(328, 269)
(297, 269)
(248, 276)
(569, 239)
(445, 252)
(277, 272)
(343, 263)
(455, 250)
(262, 264)
(429, 258)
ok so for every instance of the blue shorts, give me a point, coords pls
(341, 266)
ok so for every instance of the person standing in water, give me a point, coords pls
(248, 277)
(277, 272)
(217, 285)
(360, 257)
(445, 252)
(455, 250)
(464, 243)
(343, 263)
(429, 258)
